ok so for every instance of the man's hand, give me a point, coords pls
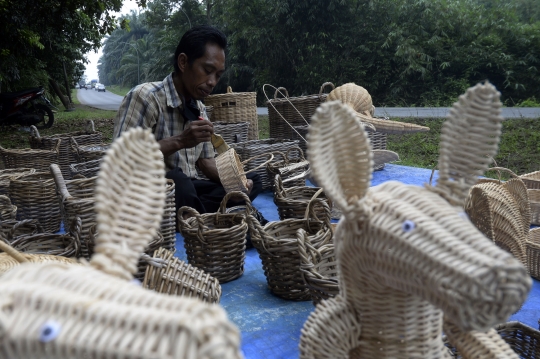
(195, 133)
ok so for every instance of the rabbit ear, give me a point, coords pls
(469, 140)
(339, 154)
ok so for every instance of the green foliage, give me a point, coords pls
(530, 102)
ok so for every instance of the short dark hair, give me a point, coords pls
(194, 41)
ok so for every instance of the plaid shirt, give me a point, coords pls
(156, 105)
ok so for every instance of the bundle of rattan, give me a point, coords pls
(170, 275)
(287, 112)
(66, 156)
(277, 245)
(250, 149)
(12, 227)
(524, 341)
(85, 169)
(231, 170)
(168, 223)
(293, 202)
(89, 152)
(232, 132)
(40, 160)
(216, 242)
(7, 210)
(65, 245)
(318, 267)
(35, 198)
(292, 170)
(7, 174)
(236, 107)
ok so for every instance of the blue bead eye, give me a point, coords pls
(49, 331)
(408, 225)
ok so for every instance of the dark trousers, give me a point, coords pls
(204, 195)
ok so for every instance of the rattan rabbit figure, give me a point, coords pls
(95, 310)
(408, 254)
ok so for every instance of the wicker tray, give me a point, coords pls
(7, 210)
(66, 156)
(35, 198)
(88, 153)
(216, 242)
(7, 174)
(249, 149)
(170, 275)
(236, 107)
(232, 132)
(40, 160)
(292, 111)
(85, 169)
(292, 170)
(293, 202)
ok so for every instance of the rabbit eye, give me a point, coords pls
(464, 215)
(408, 225)
(49, 331)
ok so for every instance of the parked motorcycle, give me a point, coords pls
(26, 108)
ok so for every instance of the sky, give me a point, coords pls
(91, 68)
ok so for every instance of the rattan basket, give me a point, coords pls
(88, 153)
(66, 156)
(232, 132)
(296, 111)
(533, 253)
(531, 180)
(40, 160)
(277, 245)
(292, 170)
(35, 198)
(168, 223)
(534, 201)
(216, 242)
(7, 174)
(231, 170)
(249, 149)
(236, 107)
(170, 275)
(292, 202)
(7, 210)
(524, 340)
(26, 226)
(85, 169)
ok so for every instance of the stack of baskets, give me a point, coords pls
(236, 107)
(66, 156)
(40, 160)
(293, 202)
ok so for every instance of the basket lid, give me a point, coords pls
(357, 97)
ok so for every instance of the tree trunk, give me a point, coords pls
(59, 93)
(67, 86)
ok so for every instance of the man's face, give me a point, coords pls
(200, 78)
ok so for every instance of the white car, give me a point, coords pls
(100, 87)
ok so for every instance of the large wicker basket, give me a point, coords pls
(170, 275)
(292, 111)
(236, 107)
(251, 149)
(40, 160)
(292, 170)
(293, 202)
(7, 210)
(216, 242)
(35, 198)
(531, 180)
(231, 170)
(7, 174)
(66, 156)
(232, 132)
(85, 169)
(88, 153)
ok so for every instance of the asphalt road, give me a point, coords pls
(109, 101)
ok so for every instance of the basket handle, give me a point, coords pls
(12, 252)
(60, 183)
(229, 89)
(76, 227)
(5, 201)
(223, 205)
(499, 169)
(280, 115)
(57, 146)
(90, 126)
(34, 131)
(278, 186)
(183, 223)
(309, 208)
(323, 86)
(270, 155)
(279, 89)
(297, 149)
(74, 145)
(25, 223)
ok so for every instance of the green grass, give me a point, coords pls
(118, 90)
(264, 128)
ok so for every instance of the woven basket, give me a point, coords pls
(155, 244)
(7, 210)
(35, 198)
(7, 174)
(88, 153)
(85, 169)
(292, 170)
(65, 245)
(231, 170)
(40, 160)
(27, 226)
(168, 223)
(232, 132)
(296, 111)
(531, 180)
(170, 275)
(524, 340)
(66, 156)
(277, 245)
(533, 253)
(251, 149)
(292, 202)
(236, 107)
(216, 242)
(534, 201)
(209, 110)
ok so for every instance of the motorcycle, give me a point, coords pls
(24, 108)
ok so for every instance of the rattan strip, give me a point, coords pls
(170, 275)
(250, 149)
(168, 223)
(88, 153)
(40, 160)
(66, 156)
(531, 180)
(533, 253)
(293, 202)
(7, 174)
(35, 198)
(289, 167)
(85, 169)
(7, 210)
(232, 132)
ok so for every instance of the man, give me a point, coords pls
(172, 109)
